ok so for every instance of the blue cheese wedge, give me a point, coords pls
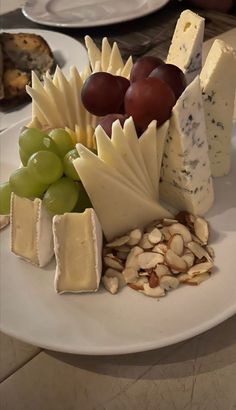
(218, 82)
(186, 181)
(31, 231)
(78, 252)
(186, 46)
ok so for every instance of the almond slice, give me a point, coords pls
(160, 248)
(130, 275)
(168, 221)
(201, 229)
(162, 270)
(132, 260)
(112, 273)
(183, 277)
(200, 268)
(113, 262)
(118, 242)
(134, 237)
(165, 232)
(155, 236)
(153, 292)
(175, 262)
(169, 282)
(181, 230)
(148, 260)
(198, 251)
(110, 284)
(176, 244)
(188, 257)
(153, 280)
(198, 279)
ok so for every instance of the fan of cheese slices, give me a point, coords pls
(135, 180)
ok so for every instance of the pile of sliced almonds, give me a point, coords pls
(167, 253)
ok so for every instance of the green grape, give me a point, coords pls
(83, 201)
(32, 140)
(24, 184)
(45, 166)
(68, 165)
(5, 198)
(62, 140)
(61, 196)
(23, 156)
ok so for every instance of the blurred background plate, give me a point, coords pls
(88, 13)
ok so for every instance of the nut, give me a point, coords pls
(122, 248)
(176, 244)
(134, 237)
(168, 221)
(110, 284)
(155, 236)
(189, 258)
(148, 260)
(144, 242)
(122, 255)
(160, 248)
(153, 280)
(169, 282)
(153, 292)
(198, 251)
(113, 262)
(112, 273)
(162, 270)
(118, 242)
(165, 232)
(175, 262)
(181, 230)
(183, 277)
(198, 279)
(139, 284)
(132, 260)
(200, 268)
(130, 275)
(201, 229)
(210, 251)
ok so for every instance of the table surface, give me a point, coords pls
(198, 374)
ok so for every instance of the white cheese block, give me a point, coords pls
(31, 231)
(78, 252)
(186, 46)
(218, 82)
(119, 208)
(186, 181)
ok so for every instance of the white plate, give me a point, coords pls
(88, 13)
(127, 322)
(67, 52)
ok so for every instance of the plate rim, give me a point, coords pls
(107, 350)
(26, 12)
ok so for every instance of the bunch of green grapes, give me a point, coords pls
(48, 173)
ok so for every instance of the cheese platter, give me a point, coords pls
(116, 180)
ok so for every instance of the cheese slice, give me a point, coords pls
(186, 46)
(186, 181)
(151, 143)
(218, 82)
(78, 252)
(31, 231)
(119, 208)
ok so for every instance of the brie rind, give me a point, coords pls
(78, 252)
(186, 46)
(31, 230)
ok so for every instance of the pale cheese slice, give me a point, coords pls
(119, 209)
(218, 82)
(186, 181)
(94, 53)
(31, 231)
(115, 61)
(78, 252)
(106, 54)
(186, 46)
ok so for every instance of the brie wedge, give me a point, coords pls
(78, 252)
(186, 46)
(186, 181)
(31, 230)
(218, 82)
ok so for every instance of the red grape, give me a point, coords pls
(173, 76)
(101, 94)
(149, 99)
(143, 67)
(124, 85)
(107, 121)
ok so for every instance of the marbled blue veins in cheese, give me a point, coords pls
(186, 46)
(186, 181)
(218, 82)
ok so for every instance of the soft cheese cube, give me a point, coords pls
(186, 46)
(218, 82)
(31, 230)
(186, 181)
(78, 252)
